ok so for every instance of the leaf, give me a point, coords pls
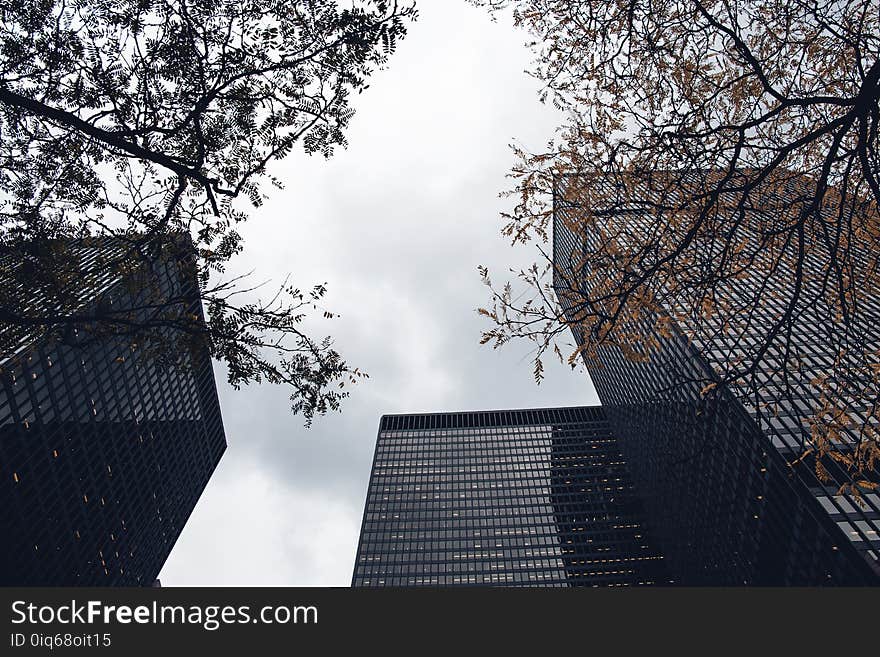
(538, 371)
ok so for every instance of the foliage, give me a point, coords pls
(143, 120)
(719, 166)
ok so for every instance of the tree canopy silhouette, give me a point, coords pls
(727, 184)
(146, 120)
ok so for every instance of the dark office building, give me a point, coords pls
(728, 500)
(105, 447)
(502, 498)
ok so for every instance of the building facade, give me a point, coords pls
(731, 501)
(104, 448)
(502, 498)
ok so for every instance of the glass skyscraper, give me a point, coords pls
(729, 498)
(503, 498)
(105, 447)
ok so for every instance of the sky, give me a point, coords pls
(396, 226)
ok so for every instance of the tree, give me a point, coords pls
(149, 120)
(728, 168)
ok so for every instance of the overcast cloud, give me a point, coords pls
(396, 226)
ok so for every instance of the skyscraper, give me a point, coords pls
(729, 498)
(105, 445)
(502, 498)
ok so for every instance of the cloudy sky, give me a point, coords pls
(396, 225)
